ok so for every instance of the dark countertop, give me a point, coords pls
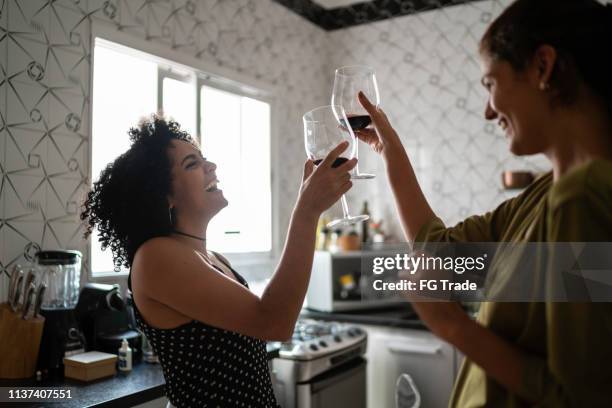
(144, 383)
(402, 317)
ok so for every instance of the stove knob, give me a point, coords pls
(350, 333)
(314, 347)
(337, 338)
(357, 331)
(322, 343)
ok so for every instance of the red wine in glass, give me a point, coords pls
(357, 122)
(348, 82)
(337, 163)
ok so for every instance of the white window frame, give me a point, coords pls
(209, 75)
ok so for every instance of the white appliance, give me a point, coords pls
(322, 366)
(342, 282)
(431, 362)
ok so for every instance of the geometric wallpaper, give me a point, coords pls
(426, 66)
(45, 49)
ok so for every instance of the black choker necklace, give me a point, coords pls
(189, 235)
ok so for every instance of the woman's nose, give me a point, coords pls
(489, 113)
(210, 166)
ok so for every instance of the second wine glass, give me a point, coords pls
(348, 81)
(321, 135)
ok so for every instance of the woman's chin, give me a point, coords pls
(515, 145)
(519, 147)
(222, 201)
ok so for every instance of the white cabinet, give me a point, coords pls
(431, 362)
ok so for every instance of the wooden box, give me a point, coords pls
(90, 366)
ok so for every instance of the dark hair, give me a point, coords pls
(128, 203)
(580, 32)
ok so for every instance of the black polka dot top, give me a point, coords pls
(205, 366)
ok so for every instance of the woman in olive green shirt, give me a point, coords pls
(546, 65)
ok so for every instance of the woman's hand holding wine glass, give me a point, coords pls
(382, 138)
(322, 134)
(324, 183)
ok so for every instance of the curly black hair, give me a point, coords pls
(128, 203)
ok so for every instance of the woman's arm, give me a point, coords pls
(500, 359)
(412, 206)
(174, 275)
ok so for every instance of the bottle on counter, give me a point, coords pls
(333, 241)
(125, 356)
(322, 241)
(148, 354)
(350, 241)
(365, 226)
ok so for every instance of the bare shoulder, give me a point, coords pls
(155, 255)
(156, 249)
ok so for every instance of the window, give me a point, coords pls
(232, 123)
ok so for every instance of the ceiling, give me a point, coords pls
(336, 14)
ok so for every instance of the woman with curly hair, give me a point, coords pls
(546, 66)
(152, 206)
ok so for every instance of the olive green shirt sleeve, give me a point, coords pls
(576, 370)
(500, 225)
(488, 227)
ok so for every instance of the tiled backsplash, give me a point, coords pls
(427, 70)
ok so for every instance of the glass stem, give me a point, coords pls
(356, 169)
(345, 209)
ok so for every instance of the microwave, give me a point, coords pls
(341, 282)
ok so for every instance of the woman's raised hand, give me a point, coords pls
(323, 185)
(382, 137)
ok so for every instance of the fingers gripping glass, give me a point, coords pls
(348, 82)
(321, 135)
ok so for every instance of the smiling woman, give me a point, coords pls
(152, 207)
(546, 65)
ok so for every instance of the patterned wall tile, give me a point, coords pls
(3, 85)
(428, 73)
(47, 88)
(23, 239)
(25, 197)
(26, 151)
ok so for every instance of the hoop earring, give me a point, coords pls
(170, 215)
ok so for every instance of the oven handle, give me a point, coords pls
(413, 348)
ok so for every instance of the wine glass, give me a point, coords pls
(348, 82)
(321, 135)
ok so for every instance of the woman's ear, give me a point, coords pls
(543, 65)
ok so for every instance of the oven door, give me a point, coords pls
(342, 387)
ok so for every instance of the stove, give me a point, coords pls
(329, 353)
(314, 339)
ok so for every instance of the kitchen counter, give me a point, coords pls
(402, 317)
(144, 383)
